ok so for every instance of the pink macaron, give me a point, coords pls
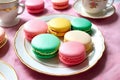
(72, 53)
(60, 4)
(35, 6)
(34, 27)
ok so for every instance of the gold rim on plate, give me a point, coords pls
(11, 68)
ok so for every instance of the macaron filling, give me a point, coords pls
(40, 55)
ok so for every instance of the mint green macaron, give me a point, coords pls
(81, 24)
(45, 45)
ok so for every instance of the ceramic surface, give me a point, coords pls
(7, 72)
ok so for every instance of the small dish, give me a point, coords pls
(7, 72)
(77, 6)
(53, 66)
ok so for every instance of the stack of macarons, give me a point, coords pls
(34, 27)
(34, 6)
(60, 4)
(2, 37)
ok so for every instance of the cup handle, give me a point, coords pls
(110, 4)
(22, 8)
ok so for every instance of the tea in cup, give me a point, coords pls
(96, 6)
(9, 10)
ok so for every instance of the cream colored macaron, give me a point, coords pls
(79, 36)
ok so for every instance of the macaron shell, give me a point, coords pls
(37, 7)
(81, 24)
(79, 36)
(60, 1)
(34, 27)
(35, 11)
(34, 3)
(59, 24)
(34, 6)
(68, 50)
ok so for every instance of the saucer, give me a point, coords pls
(7, 72)
(13, 23)
(104, 14)
(2, 76)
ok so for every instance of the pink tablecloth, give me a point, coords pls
(107, 68)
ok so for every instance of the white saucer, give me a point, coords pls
(7, 72)
(2, 77)
(13, 23)
(104, 14)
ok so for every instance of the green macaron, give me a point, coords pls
(45, 45)
(81, 24)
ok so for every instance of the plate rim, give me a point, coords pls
(89, 16)
(10, 67)
(27, 64)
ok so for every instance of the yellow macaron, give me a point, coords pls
(59, 26)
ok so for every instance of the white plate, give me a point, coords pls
(7, 72)
(53, 66)
(77, 6)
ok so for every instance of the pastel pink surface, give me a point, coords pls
(107, 68)
(34, 27)
(72, 55)
(2, 34)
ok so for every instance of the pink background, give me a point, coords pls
(107, 68)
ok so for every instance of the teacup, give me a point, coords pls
(9, 10)
(96, 6)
